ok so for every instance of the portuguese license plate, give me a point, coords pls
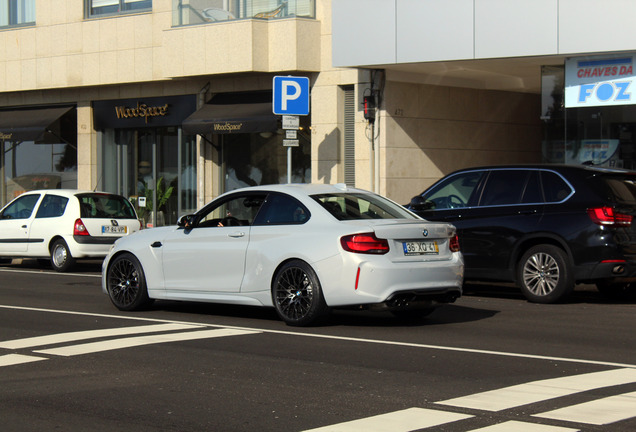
(420, 247)
(110, 229)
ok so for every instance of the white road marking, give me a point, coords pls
(537, 391)
(598, 412)
(130, 342)
(399, 421)
(341, 338)
(518, 426)
(91, 334)
(49, 273)
(15, 359)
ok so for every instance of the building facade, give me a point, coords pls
(168, 102)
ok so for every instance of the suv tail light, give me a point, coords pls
(453, 244)
(80, 228)
(607, 216)
(366, 243)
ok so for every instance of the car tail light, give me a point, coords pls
(607, 216)
(453, 244)
(80, 228)
(366, 243)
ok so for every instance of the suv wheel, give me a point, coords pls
(544, 274)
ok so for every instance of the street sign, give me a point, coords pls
(290, 95)
(291, 134)
(291, 143)
(291, 122)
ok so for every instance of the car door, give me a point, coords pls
(15, 222)
(209, 257)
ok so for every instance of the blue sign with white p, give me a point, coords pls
(291, 95)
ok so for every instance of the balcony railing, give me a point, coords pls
(187, 12)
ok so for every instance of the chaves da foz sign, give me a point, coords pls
(141, 110)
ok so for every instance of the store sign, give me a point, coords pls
(5, 136)
(143, 112)
(600, 81)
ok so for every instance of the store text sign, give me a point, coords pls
(599, 81)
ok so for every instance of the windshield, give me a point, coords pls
(354, 206)
(96, 205)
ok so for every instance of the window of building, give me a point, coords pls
(113, 7)
(17, 12)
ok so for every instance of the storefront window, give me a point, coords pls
(260, 158)
(155, 168)
(596, 135)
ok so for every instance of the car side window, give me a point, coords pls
(532, 193)
(504, 187)
(555, 188)
(456, 192)
(235, 211)
(281, 209)
(51, 206)
(21, 208)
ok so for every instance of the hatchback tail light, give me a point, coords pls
(606, 216)
(79, 228)
(366, 243)
(453, 244)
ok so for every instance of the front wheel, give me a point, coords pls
(61, 258)
(544, 274)
(297, 294)
(126, 283)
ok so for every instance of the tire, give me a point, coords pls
(544, 274)
(126, 283)
(61, 258)
(297, 294)
(617, 291)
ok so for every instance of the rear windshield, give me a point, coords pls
(621, 189)
(354, 206)
(96, 205)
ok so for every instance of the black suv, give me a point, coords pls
(544, 227)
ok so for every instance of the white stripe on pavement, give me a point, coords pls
(130, 342)
(537, 391)
(518, 426)
(399, 421)
(598, 412)
(15, 359)
(91, 334)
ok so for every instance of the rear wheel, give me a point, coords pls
(617, 291)
(544, 274)
(126, 283)
(61, 258)
(297, 294)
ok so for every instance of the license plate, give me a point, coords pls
(420, 247)
(110, 229)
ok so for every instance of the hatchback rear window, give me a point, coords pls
(621, 189)
(353, 206)
(97, 205)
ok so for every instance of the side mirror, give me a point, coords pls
(418, 203)
(186, 221)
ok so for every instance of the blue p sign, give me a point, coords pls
(291, 95)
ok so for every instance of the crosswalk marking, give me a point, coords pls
(16, 359)
(399, 421)
(598, 412)
(91, 334)
(518, 426)
(537, 391)
(130, 342)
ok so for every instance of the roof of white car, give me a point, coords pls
(64, 192)
(303, 188)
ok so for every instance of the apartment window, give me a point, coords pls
(114, 7)
(17, 12)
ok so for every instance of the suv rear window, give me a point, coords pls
(621, 188)
(96, 205)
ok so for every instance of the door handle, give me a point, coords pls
(236, 234)
(24, 226)
(156, 244)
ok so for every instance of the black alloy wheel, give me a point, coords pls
(297, 294)
(544, 274)
(126, 283)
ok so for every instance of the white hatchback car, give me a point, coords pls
(299, 248)
(63, 225)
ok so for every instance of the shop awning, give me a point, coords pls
(226, 114)
(28, 124)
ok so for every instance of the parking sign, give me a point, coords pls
(291, 95)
